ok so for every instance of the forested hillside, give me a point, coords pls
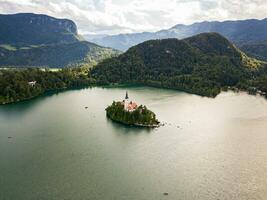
(54, 55)
(203, 64)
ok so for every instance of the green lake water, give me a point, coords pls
(53, 148)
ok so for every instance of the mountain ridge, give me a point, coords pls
(239, 32)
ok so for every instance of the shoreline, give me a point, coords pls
(234, 89)
(54, 91)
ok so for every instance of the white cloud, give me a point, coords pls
(116, 16)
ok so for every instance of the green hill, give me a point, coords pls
(32, 40)
(202, 64)
(54, 55)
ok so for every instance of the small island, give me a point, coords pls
(129, 113)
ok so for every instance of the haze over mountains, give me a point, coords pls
(242, 33)
(33, 40)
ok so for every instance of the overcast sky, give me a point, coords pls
(122, 16)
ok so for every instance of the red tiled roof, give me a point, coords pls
(132, 106)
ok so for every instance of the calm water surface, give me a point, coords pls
(53, 148)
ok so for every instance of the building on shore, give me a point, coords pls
(32, 83)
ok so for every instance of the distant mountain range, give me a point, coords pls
(242, 33)
(33, 40)
(202, 64)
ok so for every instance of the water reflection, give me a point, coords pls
(125, 129)
(21, 108)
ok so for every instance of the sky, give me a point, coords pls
(128, 16)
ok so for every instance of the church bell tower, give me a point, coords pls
(126, 101)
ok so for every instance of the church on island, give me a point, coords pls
(129, 113)
(129, 105)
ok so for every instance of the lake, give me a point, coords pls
(53, 148)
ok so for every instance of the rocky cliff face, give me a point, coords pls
(44, 20)
(28, 28)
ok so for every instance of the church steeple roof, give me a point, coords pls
(126, 96)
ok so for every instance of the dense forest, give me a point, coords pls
(139, 117)
(203, 64)
(14, 83)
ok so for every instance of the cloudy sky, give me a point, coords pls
(123, 16)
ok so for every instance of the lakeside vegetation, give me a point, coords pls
(14, 86)
(139, 117)
(14, 83)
